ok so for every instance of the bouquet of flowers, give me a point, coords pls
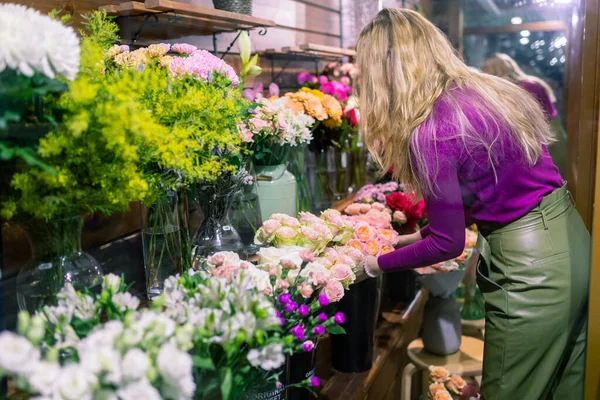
(372, 241)
(308, 230)
(458, 262)
(444, 386)
(273, 129)
(378, 192)
(408, 214)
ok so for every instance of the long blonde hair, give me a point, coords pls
(504, 66)
(405, 64)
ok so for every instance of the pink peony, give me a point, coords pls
(334, 290)
(305, 289)
(290, 221)
(341, 272)
(309, 233)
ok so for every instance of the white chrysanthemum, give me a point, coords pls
(141, 390)
(125, 301)
(268, 358)
(34, 42)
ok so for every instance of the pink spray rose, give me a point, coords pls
(334, 290)
(286, 232)
(341, 272)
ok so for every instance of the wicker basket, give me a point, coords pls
(236, 6)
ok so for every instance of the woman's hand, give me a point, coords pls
(368, 268)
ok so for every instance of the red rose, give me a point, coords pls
(398, 201)
(352, 117)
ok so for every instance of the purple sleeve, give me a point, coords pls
(539, 93)
(445, 237)
(425, 231)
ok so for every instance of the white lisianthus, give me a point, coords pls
(175, 367)
(184, 335)
(134, 365)
(85, 308)
(132, 335)
(243, 321)
(17, 354)
(111, 283)
(74, 383)
(66, 337)
(259, 278)
(125, 301)
(140, 390)
(59, 315)
(157, 325)
(34, 42)
(44, 377)
(68, 294)
(268, 358)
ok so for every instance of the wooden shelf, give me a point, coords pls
(180, 19)
(309, 51)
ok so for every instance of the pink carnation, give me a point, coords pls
(305, 289)
(307, 256)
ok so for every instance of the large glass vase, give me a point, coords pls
(57, 259)
(161, 240)
(298, 167)
(216, 232)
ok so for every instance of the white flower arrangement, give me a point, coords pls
(32, 42)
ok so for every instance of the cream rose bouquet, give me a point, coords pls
(445, 386)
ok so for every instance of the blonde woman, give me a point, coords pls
(475, 147)
(502, 65)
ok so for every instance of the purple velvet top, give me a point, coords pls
(466, 189)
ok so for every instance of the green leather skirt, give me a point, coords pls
(534, 276)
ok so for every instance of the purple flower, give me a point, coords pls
(285, 298)
(311, 78)
(298, 331)
(279, 385)
(308, 345)
(303, 310)
(302, 78)
(291, 306)
(339, 318)
(322, 317)
(323, 79)
(319, 330)
(278, 313)
(314, 381)
(323, 299)
(281, 321)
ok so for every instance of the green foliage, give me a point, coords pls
(100, 29)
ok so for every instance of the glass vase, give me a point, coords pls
(246, 218)
(216, 232)
(473, 307)
(339, 173)
(298, 168)
(57, 259)
(161, 240)
(319, 181)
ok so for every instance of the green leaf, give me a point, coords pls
(203, 363)
(226, 383)
(336, 330)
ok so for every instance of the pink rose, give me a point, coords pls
(353, 209)
(216, 259)
(334, 290)
(257, 124)
(305, 289)
(345, 80)
(270, 226)
(399, 217)
(282, 284)
(341, 272)
(364, 232)
(345, 259)
(307, 256)
(331, 254)
(290, 221)
(286, 232)
(365, 208)
(319, 277)
(378, 206)
(281, 123)
(309, 233)
(279, 216)
(306, 217)
(322, 230)
(355, 254)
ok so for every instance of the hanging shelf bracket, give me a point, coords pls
(262, 32)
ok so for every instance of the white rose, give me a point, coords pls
(141, 390)
(74, 383)
(134, 365)
(125, 301)
(17, 354)
(44, 376)
(111, 283)
(270, 255)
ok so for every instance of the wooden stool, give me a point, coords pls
(467, 361)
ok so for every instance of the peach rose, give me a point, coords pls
(434, 388)
(334, 290)
(438, 374)
(372, 247)
(357, 245)
(387, 235)
(305, 289)
(364, 232)
(378, 206)
(365, 208)
(385, 249)
(442, 395)
(341, 272)
(456, 384)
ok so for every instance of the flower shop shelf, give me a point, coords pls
(382, 381)
(165, 19)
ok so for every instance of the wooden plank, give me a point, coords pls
(198, 11)
(111, 9)
(328, 49)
